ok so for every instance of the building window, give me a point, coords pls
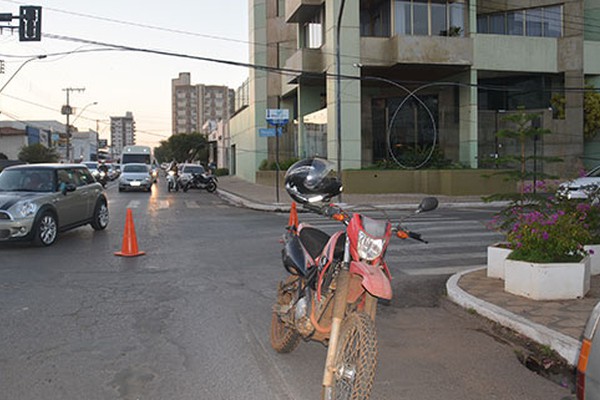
(312, 31)
(429, 17)
(375, 18)
(535, 22)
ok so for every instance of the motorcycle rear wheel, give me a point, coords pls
(356, 358)
(284, 339)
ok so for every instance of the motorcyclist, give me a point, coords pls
(103, 167)
(103, 173)
(173, 179)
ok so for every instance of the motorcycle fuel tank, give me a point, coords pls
(294, 259)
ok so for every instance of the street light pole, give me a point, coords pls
(66, 110)
(20, 67)
(338, 91)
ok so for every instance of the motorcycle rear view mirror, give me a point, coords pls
(427, 204)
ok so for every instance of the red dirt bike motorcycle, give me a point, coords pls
(335, 281)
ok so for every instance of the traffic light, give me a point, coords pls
(30, 23)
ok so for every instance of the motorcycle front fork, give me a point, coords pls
(339, 310)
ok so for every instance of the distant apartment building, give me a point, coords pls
(193, 105)
(415, 76)
(122, 133)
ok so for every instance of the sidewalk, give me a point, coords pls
(557, 324)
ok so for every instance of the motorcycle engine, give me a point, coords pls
(302, 315)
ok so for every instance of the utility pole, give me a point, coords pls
(67, 110)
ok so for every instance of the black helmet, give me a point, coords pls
(311, 180)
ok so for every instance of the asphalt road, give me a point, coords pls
(190, 319)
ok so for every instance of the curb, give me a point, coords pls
(240, 201)
(565, 346)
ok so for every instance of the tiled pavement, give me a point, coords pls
(565, 316)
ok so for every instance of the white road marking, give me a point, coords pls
(133, 204)
(191, 204)
(439, 271)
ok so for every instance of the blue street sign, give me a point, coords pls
(278, 116)
(266, 132)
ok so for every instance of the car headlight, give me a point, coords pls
(26, 209)
(368, 247)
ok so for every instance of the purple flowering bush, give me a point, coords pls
(550, 229)
(552, 235)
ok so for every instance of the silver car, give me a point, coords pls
(581, 188)
(38, 201)
(135, 176)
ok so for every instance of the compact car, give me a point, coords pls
(38, 201)
(135, 176)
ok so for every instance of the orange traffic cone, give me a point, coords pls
(130, 247)
(293, 221)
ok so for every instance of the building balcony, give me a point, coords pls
(310, 64)
(301, 10)
(429, 50)
(518, 53)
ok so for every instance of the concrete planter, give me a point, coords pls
(594, 258)
(553, 281)
(496, 255)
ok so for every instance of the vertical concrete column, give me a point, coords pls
(468, 126)
(251, 149)
(309, 100)
(350, 88)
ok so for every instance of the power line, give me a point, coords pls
(279, 70)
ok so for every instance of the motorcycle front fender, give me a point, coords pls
(374, 279)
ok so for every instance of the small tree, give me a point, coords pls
(3, 156)
(37, 153)
(524, 131)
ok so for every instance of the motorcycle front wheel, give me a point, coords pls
(355, 358)
(211, 187)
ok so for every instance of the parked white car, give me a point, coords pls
(580, 188)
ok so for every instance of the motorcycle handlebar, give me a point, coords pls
(329, 211)
(403, 234)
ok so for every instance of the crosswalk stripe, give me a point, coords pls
(163, 204)
(133, 204)
(438, 271)
(412, 245)
(191, 204)
(420, 257)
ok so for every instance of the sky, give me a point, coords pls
(119, 80)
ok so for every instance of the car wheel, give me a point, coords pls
(45, 230)
(101, 217)
(120, 189)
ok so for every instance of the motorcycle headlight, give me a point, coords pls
(172, 173)
(26, 209)
(368, 247)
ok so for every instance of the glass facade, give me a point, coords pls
(429, 18)
(535, 22)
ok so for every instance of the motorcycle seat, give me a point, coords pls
(313, 240)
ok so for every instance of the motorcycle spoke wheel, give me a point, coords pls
(356, 358)
(284, 339)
